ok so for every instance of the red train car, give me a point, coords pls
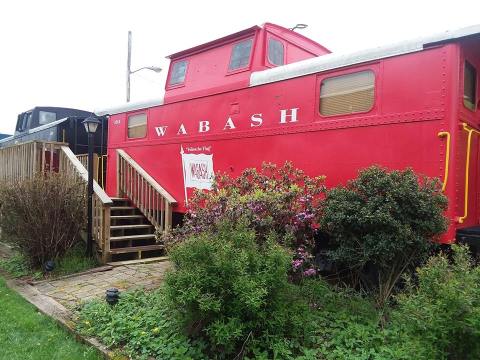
(270, 94)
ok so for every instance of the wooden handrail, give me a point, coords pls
(83, 173)
(144, 191)
(101, 201)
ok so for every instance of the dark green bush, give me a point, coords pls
(43, 216)
(234, 293)
(385, 221)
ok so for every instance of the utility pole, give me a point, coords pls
(129, 63)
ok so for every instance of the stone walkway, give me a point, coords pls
(73, 290)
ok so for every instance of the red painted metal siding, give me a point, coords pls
(416, 96)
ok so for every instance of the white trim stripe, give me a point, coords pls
(334, 61)
(127, 107)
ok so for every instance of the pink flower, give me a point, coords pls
(297, 263)
(310, 272)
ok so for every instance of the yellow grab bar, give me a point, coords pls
(467, 168)
(447, 157)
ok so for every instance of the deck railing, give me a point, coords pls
(70, 164)
(23, 161)
(148, 196)
(83, 158)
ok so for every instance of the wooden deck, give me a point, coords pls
(142, 206)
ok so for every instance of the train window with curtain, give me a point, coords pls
(240, 57)
(276, 52)
(347, 94)
(137, 126)
(470, 87)
(178, 73)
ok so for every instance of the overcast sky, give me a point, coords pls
(73, 53)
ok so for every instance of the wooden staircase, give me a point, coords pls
(132, 236)
(120, 230)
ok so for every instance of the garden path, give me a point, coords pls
(73, 290)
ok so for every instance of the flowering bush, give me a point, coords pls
(302, 264)
(280, 200)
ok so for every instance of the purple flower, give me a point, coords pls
(297, 263)
(310, 272)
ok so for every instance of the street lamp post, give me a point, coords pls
(129, 63)
(91, 123)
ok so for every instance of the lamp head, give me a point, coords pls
(91, 124)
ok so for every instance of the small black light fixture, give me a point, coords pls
(91, 124)
(112, 296)
(49, 266)
(299, 26)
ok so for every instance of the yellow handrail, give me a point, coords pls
(447, 157)
(467, 166)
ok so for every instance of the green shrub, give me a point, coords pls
(16, 266)
(141, 324)
(442, 311)
(234, 293)
(43, 216)
(384, 220)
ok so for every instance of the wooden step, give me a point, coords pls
(122, 208)
(120, 217)
(140, 226)
(132, 237)
(134, 249)
(119, 199)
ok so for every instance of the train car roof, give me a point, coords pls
(323, 63)
(339, 60)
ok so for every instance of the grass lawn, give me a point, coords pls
(27, 334)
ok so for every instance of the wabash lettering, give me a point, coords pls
(204, 126)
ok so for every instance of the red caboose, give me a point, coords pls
(270, 94)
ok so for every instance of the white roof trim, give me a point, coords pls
(333, 61)
(123, 108)
(6, 139)
(46, 126)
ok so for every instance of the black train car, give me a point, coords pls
(57, 124)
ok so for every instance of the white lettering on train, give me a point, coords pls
(229, 124)
(284, 115)
(182, 130)
(256, 120)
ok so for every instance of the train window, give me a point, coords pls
(276, 52)
(470, 86)
(46, 117)
(240, 57)
(347, 94)
(179, 70)
(137, 126)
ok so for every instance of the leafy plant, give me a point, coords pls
(233, 293)
(43, 216)
(442, 311)
(141, 324)
(16, 266)
(383, 221)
